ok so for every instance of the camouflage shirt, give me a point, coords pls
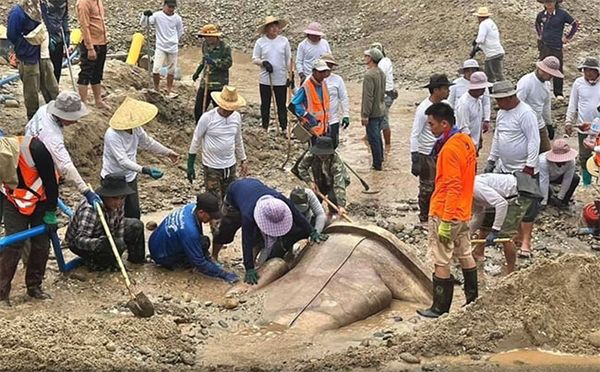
(218, 74)
(330, 172)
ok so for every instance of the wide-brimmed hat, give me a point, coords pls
(271, 19)
(210, 30)
(375, 54)
(209, 203)
(503, 89)
(438, 80)
(132, 114)
(228, 98)
(314, 28)
(377, 45)
(299, 197)
(320, 65)
(592, 167)
(322, 146)
(328, 58)
(479, 80)
(550, 65)
(68, 106)
(482, 12)
(114, 185)
(469, 63)
(273, 216)
(590, 62)
(9, 160)
(561, 152)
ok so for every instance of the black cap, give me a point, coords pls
(209, 204)
(172, 3)
(322, 146)
(114, 185)
(438, 80)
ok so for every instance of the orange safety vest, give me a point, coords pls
(26, 198)
(597, 156)
(317, 108)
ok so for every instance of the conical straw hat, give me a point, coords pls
(132, 114)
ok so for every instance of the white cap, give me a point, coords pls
(321, 65)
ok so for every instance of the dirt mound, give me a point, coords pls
(552, 305)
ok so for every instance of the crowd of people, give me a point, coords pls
(499, 205)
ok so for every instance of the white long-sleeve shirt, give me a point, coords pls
(120, 151)
(338, 98)
(584, 100)
(278, 52)
(308, 52)
(488, 39)
(492, 190)
(468, 116)
(169, 29)
(537, 95)
(550, 172)
(460, 87)
(516, 140)
(220, 139)
(315, 209)
(47, 129)
(421, 138)
(388, 69)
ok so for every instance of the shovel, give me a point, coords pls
(66, 49)
(335, 207)
(138, 304)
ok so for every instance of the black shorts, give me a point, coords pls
(91, 71)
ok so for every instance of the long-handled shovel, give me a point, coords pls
(273, 103)
(335, 207)
(66, 48)
(206, 72)
(139, 304)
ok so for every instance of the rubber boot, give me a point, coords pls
(443, 290)
(587, 178)
(471, 290)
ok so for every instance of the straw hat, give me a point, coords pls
(503, 89)
(210, 30)
(328, 58)
(9, 160)
(482, 12)
(314, 28)
(550, 65)
(272, 19)
(132, 114)
(228, 99)
(479, 80)
(592, 167)
(273, 216)
(561, 152)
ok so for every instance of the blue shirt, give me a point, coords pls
(19, 24)
(177, 241)
(243, 195)
(552, 27)
(300, 102)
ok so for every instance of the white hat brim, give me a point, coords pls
(70, 116)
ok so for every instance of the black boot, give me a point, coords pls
(471, 291)
(443, 290)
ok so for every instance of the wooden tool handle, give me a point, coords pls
(335, 207)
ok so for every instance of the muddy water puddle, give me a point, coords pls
(538, 357)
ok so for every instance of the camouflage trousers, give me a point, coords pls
(216, 181)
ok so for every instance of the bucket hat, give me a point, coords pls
(273, 216)
(314, 28)
(271, 19)
(68, 106)
(469, 63)
(550, 65)
(590, 62)
(328, 58)
(209, 203)
(228, 98)
(9, 160)
(322, 146)
(503, 89)
(561, 152)
(592, 167)
(114, 185)
(210, 30)
(299, 197)
(377, 45)
(132, 114)
(479, 81)
(482, 12)
(375, 54)
(320, 65)
(438, 80)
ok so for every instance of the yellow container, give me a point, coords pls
(137, 42)
(76, 36)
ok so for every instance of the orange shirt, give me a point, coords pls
(91, 20)
(456, 165)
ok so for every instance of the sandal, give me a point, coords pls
(524, 254)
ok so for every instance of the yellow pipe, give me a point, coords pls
(137, 42)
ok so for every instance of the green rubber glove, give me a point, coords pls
(50, 221)
(153, 172)
(251, 277)
(345, 122)
(191, 171)
(445, 232)
(317, 237)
